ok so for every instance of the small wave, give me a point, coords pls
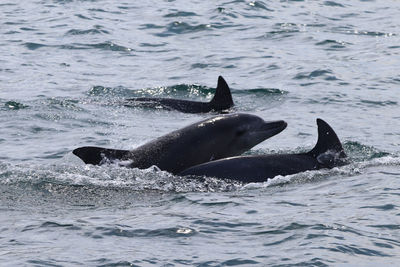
(374, 103)
(287, 29)
(13, 105)
(119, 91)
(63, 1)
(76, 46)
(179, 90)
(326, 74)
(394, 80)
(333, 44)
(359, 152)
(389, 227)
(27, 29)
(349, 31)
(261, 91)
(54, 103)
(180, 27)
(259, 5)
(172, 232)
(11, 32)
(96, 30)
(281, 33)
(333, 4)
(34, 46)
(108, 46)
(374, 34)
(61, 178)
(61, 103)
(51, 224)
(103, 10)
(7, 4)
(152, 45)
(381, 207)
(356, 250)
(222, 11)
(390, 160)
(192, 88)
(203, 65)
(150, 26)
(83, 17)
(180, 14)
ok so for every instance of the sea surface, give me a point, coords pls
(66, 67)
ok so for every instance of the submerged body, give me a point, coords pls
(222, 100)
(255, 169)
(215, 138)
(327, 153)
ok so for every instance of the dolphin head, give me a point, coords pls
(234, 134)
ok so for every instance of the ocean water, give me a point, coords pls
(66, 66)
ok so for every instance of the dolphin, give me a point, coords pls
(327, 153)
(222, 100)
(214, 138)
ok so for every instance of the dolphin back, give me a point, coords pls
(222, 100)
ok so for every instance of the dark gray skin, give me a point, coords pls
(221, 101)
(214, 138)
(327, 153)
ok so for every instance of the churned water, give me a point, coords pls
(66, 66)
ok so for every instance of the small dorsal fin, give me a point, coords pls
(223, 97)
(99, 155)
(327, 141)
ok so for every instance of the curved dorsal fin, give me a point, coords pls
(327, 141)
(222, 98)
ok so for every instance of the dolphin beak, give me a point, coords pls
(271, 128)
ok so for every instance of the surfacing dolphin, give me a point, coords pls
(222, 100)
(327, 153)
(214, 138)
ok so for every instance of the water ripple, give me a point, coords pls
(180, 14)
(166, 232)
(326, 74)
(118, 263)
(180, 27)
(76, 46)
(224, 226)
(96, 30)
(34, 46)
(360, 152)
(237, 262)
(283, 240)
(356, 250)
(333, 4)
(387, 226)
(382, 208)
(333, 45)
(379, 103)
(13, 105)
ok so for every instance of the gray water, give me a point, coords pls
(66, 66)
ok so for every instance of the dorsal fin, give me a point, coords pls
(327, 141)
(222, 98)
(98, 155)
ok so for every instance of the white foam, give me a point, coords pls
(154, 179)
